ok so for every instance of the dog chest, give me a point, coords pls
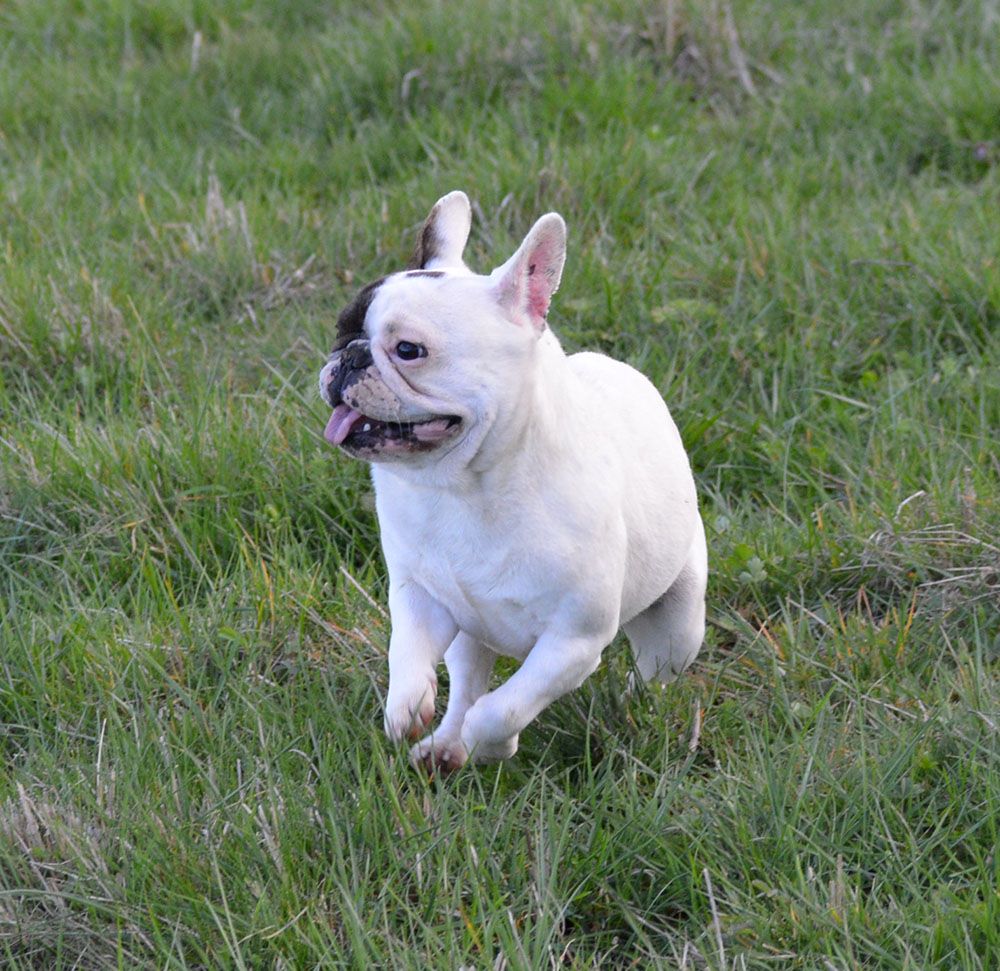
(502, 616)
(487, 571)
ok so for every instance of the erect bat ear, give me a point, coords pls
(525, 283)
(444, 234)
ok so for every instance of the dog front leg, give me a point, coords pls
(469, 664)
(421, 632)
(556, 664)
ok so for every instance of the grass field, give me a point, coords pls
(785, 213)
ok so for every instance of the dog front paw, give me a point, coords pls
(438, 754)
(486, 732)
(408, 713)
(495, 751)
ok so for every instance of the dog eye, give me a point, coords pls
(408, 351)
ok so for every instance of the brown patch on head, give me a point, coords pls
(351, 322)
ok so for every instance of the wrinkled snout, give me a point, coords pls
(345, 369)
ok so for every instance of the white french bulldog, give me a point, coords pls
(530, 503)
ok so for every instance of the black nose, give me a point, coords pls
(356, 356)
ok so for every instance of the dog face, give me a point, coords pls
(429, 361)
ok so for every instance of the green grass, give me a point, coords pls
(791, 228)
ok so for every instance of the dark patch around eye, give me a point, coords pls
(433, 273)
(351, 322)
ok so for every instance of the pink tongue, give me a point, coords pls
(343, 419)
(431, 431)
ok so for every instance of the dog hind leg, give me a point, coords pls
(668, 634)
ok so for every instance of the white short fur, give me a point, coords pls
(563, 509)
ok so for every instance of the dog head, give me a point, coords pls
(431, 360)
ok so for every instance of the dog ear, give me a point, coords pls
(444, 234)
(526, 282)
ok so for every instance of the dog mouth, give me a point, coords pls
(360, 433)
